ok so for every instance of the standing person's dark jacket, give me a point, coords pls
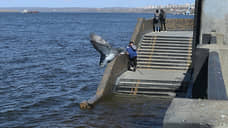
(157, 15)
(162, 19)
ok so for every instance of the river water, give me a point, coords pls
(48, 66)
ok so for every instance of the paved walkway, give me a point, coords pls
(162, 75)
(172, 33)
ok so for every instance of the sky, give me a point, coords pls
(88, 3)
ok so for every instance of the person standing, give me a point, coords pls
(132, 54)
(163, 19)
(156, 21)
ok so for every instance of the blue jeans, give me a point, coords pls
(157, 28)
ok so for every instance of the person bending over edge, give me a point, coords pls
(131, 51)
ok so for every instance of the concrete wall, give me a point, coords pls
(189, 113)
(214, 17)
(112, 71)
(200, 73)
(224, 62)
(216, 86)
(208, 76)
(218, 76)
(180, 24)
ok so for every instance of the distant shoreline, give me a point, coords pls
(95, 10)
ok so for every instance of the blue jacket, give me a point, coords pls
(132, 52)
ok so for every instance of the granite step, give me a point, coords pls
(153, 93)
(161, 67)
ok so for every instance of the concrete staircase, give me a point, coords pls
(165, 52)
(164, 62)
(161, 83)
(150, 87)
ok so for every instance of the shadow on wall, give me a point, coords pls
(216, 85)
(200, 73)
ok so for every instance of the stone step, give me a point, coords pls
(165, 47)
(167, 39)
(166, 44)
(171, 82)
(172, 94)
(165, 57)
(149, 84)
(149, 87)
(163, 64)
(165, 50)
(166, 36)
(166, 54)
(152, 88)
(155, 89)
(162, 60)
(171, 46)
(161, 67)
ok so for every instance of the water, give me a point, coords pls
(48, 66)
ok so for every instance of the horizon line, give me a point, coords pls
(92, 7)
